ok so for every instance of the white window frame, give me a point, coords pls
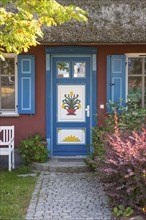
(15, 112)
(138, 55)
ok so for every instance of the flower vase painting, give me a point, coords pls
(71, 103)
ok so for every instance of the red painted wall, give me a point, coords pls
(26, 125)
(103, 51)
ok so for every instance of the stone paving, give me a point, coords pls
(68, 196)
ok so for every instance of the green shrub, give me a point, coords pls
(33, 149)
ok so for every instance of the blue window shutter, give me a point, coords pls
(116, 78)
(26, 84)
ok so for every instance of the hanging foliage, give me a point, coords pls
(21, 22)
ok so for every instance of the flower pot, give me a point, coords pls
(71, 111)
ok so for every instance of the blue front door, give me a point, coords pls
(71, 105)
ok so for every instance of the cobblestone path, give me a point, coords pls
(68, 196)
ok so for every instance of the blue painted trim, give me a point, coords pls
(48, 62)
(94, 62)
(108, 75)
(26, 84)
(56, 51)
(48, 104)
(49, 147)
(71, 50)
(93, 97)
(116, 78)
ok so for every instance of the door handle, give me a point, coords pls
(88, 110)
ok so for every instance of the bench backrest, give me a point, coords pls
(6, 134)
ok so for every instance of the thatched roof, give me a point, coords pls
(110, 21)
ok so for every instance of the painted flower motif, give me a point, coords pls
(71, 93)
(63, 105)
(79, 105)
(71, 103)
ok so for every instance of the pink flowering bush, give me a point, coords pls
(123, 169)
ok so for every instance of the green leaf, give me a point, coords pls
(121, 207)
(21, 30)
(128, 211)
(115, 210)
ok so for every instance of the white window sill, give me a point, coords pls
(10, 114)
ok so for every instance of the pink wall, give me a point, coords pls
(26, 125)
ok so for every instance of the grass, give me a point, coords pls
(15, 194)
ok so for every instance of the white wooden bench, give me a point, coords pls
(7, 144)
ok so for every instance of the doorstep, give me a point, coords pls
(62, 164)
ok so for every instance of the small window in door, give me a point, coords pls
(79, 69)
(63, 69)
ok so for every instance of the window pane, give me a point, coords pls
(134, 66)
(7, 93)
(79, 70)
(135, 88)
(7, 67)
(63, 69)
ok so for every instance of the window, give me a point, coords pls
(63, 69)
(8, 78)
(129, 82)
(137, 78)
(79, 69)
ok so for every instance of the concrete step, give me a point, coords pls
(62, 164)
